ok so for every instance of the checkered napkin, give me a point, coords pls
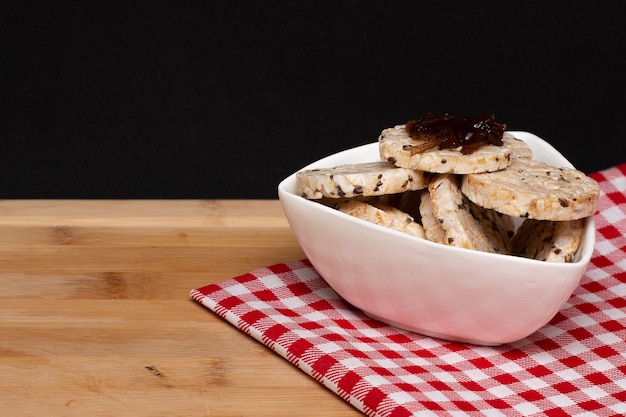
(575, 365)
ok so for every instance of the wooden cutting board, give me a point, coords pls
(96, 319)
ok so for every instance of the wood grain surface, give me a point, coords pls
(96, 319)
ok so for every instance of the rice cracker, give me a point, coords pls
(397, 147)
(550, 241)
(535, 190)
(365, 179)
(432, 227)
(520, 151)
(382, 215)
(465, 224)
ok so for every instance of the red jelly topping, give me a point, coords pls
(447, 131)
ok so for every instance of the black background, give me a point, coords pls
(222, 99)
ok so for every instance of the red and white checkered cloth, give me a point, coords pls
(575, 365)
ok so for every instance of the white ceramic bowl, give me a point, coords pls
(432, 289)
